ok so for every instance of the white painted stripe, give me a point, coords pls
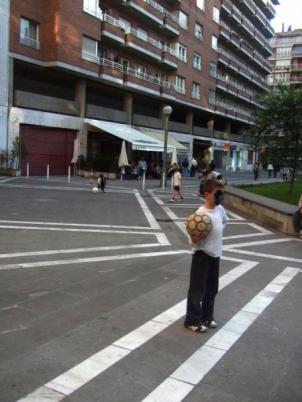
(243, 236)
(26, 186)
(258, 243)
(156, 199)
(84, 225)
(80, 250)
(76, 230)
(90, 259)
(260, 228)
(148, 214)
(197, 366)
(5, 180)
(79, 375)
(270, 256)
(237, 217)
(162, 239)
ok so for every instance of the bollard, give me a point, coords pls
(68, 174)
(47, 172)
(27, 170)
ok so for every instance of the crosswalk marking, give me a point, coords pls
(85, 371)
(180, 383)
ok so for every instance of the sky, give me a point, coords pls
(289, 12)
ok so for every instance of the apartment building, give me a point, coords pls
(101, 72)
(286, 60)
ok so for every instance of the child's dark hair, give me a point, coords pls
(212, 184)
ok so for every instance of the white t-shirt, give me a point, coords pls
(177, 178)
(212, 244)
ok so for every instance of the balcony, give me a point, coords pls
(167, 90)
(241, 45)
(233, 111)
(136, 42)
(245, 25)
(112, 30)
(111, 71)
(138, 80)
(33, 43)
(153, 13)
(234, 88)
(258, 15)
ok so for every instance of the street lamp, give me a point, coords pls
(167, 110)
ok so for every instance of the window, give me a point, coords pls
(124, 62)
(281, 64)
(29, 33)
(195, 90)
(180, 84)
(90, 49)
(213, 70)
(197, 61)
(124, 24)
(198, 31)
(216, 14)
(284, 52)
(181, 52)
(211, 97)
(92, 7)
(183, 19)
(214, 42)
(200, 4)
(142, 34)
(141, 69)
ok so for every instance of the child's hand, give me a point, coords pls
(197, 237)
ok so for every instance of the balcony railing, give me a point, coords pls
(234, 108)
(244, 47)
(34, 43)
(259, 14)
(246, 24)
(136, 73)
(242, 68)
(90, 57)
(129, 30)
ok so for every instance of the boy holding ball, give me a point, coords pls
(207, 249)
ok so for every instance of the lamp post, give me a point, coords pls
(167, 110)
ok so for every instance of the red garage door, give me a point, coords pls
(42, 146)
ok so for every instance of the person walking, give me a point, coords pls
(212, 165)
(270, 169)
(256, 170)
(176, 184)
(204, 276)
(193, 167)
(142, 167)
(101, 182)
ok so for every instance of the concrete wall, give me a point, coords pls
(104, 113)
(274, 214)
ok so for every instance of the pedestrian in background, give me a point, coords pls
(256, 170)
(176, 175)
(91, 176)
(142, 167)
(270, 169)
(101, 182)
(193, 167)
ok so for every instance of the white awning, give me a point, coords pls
(139, 140)
(160, 135)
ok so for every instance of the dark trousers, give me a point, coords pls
(203, 288)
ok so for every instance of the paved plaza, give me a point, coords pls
(93, 295)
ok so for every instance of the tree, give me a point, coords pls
(278, 127)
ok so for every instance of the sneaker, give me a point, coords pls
(171, 200)
(196, 328)
(211, 324)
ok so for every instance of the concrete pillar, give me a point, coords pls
(189, 120)
(80, 97)
(228, 131)
(128, 107)
(4, 76)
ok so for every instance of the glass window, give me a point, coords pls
(211, 97)
(213, 70)
(91, 6)
(214, 42)
(181, 52)
(216, 14)
(29, 33)
(180, 84)
(142, 33)
(195, 90)
(183, 19)
(200, 4)
(90, 49)
(198, 31)
(197, 61)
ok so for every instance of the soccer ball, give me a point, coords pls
(198, 223)
(95, 190)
